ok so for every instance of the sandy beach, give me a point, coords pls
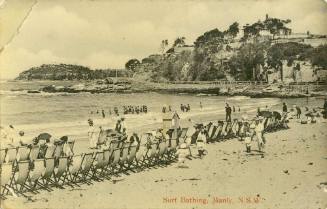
(291, 175)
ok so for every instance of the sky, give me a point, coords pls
(107, 33)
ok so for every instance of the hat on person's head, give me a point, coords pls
(57, 142)
(90, 121)
(21, 133)
(122, 118)
(64, 138)
(35, 140)
(11, 126)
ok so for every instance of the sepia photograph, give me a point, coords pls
(163, 104)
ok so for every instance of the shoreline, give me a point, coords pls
(254, 91)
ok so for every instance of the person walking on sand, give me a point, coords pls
(259, 133)
(201, 105)
(123, 123)
(118, 127)
(188, 107)
(248, 141)
(201, 142)
(228, 110)
(93, 136)
(298, 112)
(103, 115)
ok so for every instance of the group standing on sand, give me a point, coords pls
(254, 131)
(129, 109)
(185, 107)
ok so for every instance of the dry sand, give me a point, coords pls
(292, 175)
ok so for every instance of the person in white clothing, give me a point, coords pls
(93, 135)
(201, 142)
(259, 132)
(23, 140)
(123, 123)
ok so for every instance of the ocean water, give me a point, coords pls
(67, 114)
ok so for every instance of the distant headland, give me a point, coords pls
(266, 51)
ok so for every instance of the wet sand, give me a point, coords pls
(292, 174)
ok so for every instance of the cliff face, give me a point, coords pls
(68, 72)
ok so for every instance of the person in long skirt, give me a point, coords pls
(93, 135)
(259, 133)
(201, 143)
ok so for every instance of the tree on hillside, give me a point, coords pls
(248, 58)
(132, 64)
(287, 51)
(211, 37)
(275, 25)
(319, 56)
(233, 29)
(205, 65)
(172, 66)
(253, 30)
(179, 41)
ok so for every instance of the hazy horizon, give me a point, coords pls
(106, 34)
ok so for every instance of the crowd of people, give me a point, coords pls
(304, 114)
(119, 134)
(186, 107)
(126, 109)
(11, 138)
(135, 109)
(249, 131)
